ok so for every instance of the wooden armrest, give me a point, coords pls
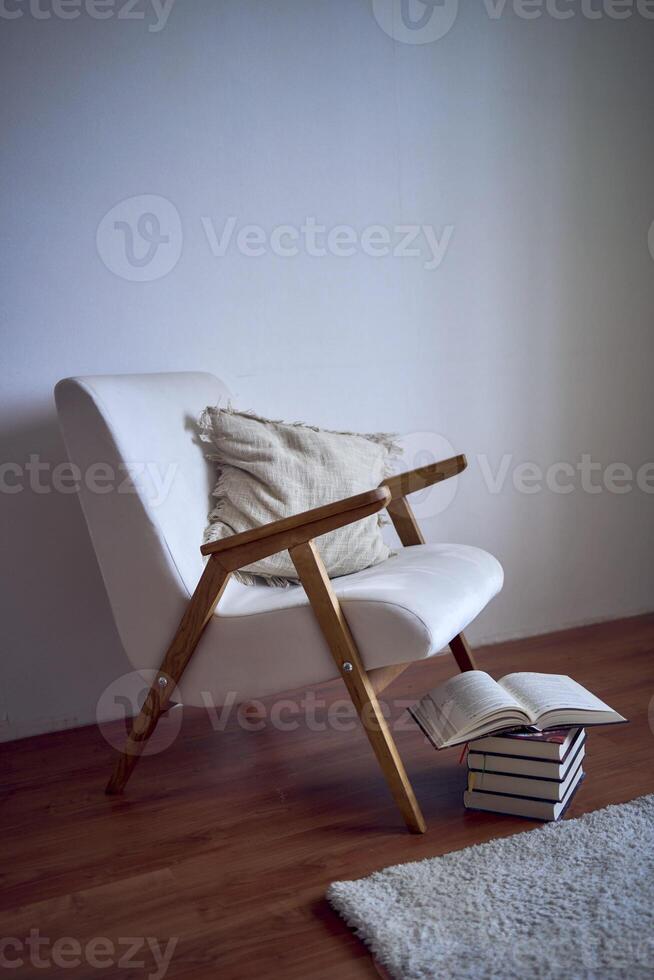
(424, 476)
(249, 546)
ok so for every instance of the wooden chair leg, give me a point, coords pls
(336, 631)
(198, 613)
(462, 653)
(404, 521)
(409, 533)
(381, 677)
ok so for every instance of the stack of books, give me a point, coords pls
(526, 735)
(528, 774)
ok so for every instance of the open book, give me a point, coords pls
(473, 704)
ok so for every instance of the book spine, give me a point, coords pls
(529, 796)
(524, 767)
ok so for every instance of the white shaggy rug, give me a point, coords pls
(571, 900)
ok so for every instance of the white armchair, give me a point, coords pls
(253, 641)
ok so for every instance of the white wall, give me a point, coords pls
(532, 138)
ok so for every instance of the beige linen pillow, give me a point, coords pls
(269, 470)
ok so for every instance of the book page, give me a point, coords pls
(463, 701)
(539, 693)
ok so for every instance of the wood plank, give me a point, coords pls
(462, 652)
(248, 546)
(381, 677)
(404, 521)
(199, 611)
(336, 631)
(424, 476)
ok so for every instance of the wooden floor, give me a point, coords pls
(228, 840)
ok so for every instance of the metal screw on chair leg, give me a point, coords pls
(162, 682)
(347, 666)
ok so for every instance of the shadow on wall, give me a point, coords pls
(61, 647)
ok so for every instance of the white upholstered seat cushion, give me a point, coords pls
(264, 640)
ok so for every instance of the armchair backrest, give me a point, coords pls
(146, 530)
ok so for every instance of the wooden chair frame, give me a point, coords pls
(297, 534)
